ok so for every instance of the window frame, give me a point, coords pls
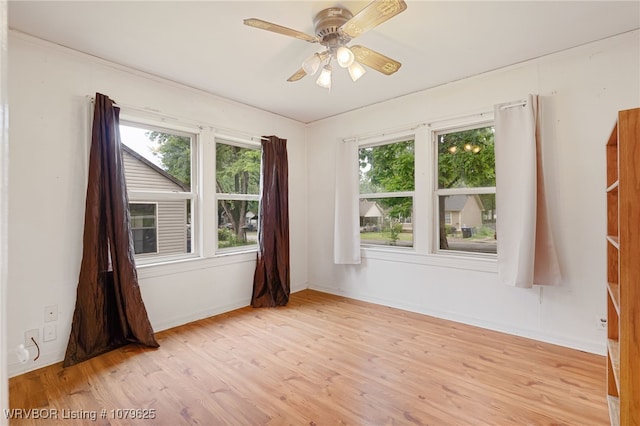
(396, 194)
(138, 196)
(438, 192)
(424, 209)
(222, 196)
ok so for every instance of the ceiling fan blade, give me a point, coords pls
(375, 60)
(374, 14)
(297, 75)
(264, 25)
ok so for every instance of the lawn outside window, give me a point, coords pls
(387, 187)
(465, 193)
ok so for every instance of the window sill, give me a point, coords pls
(456, 261)
(177, 266)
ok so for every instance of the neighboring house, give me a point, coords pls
(463, 211)
(371, 215)
(158, 228)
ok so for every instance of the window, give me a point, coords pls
(159, 174)
(237, 195)
(143, 227)
(386, 193)
(465, 197)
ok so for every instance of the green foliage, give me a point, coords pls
(237, 169)
(466, 159)
(175, 154)
(389, 168)
(225, 234)
(237, 172)
(395, 228)
(484, 231)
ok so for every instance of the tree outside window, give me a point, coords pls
(387, 183)
(466, 190)
(237, 192)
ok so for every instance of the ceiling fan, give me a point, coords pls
(335, 27)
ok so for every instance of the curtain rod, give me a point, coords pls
(521, 103)
(416, 126)
(187, 120)
(384, 133)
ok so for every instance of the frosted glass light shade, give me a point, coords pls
(344, 56)
(311, 64)
(325, 78)
(356, 71)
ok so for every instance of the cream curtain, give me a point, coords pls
(526, 253)
(346, 238)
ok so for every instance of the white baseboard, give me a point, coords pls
(568, 342)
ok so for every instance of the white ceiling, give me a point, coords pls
(204, 44)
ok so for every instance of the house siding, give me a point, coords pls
(171, 215)
(172, 232)
(141, 177)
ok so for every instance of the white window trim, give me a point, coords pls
(221, 196)
(425, 227)
(484, 120)
(382, 140)
(203, 189)
(144, 196)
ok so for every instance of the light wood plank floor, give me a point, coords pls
(326, 360)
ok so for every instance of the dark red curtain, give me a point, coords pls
(109, 311)
(271, 281)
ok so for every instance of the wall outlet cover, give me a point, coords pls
(49, 333)
(51, 313)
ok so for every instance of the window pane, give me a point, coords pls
(139, 210)
(387, 168)
(237, 223)
(143, 227)
(237, 169)
(468, 223)
(144, 241)
(466, 159)
(156, 160)
(162, 227)
(386, 221)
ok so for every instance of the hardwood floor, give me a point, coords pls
(324, 360)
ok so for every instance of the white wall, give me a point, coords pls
(583, 89)
(4, 197)
(49, 152)
(49, 85)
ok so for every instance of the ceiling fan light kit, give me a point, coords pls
(356, 71)
(325, 77)
(335, 27)
(311, 64)
(344, 56)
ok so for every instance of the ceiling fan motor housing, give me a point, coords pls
(327, 24)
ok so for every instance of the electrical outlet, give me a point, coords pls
(601, 323)
(51, 313)
(30, 334)
(49, 333)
